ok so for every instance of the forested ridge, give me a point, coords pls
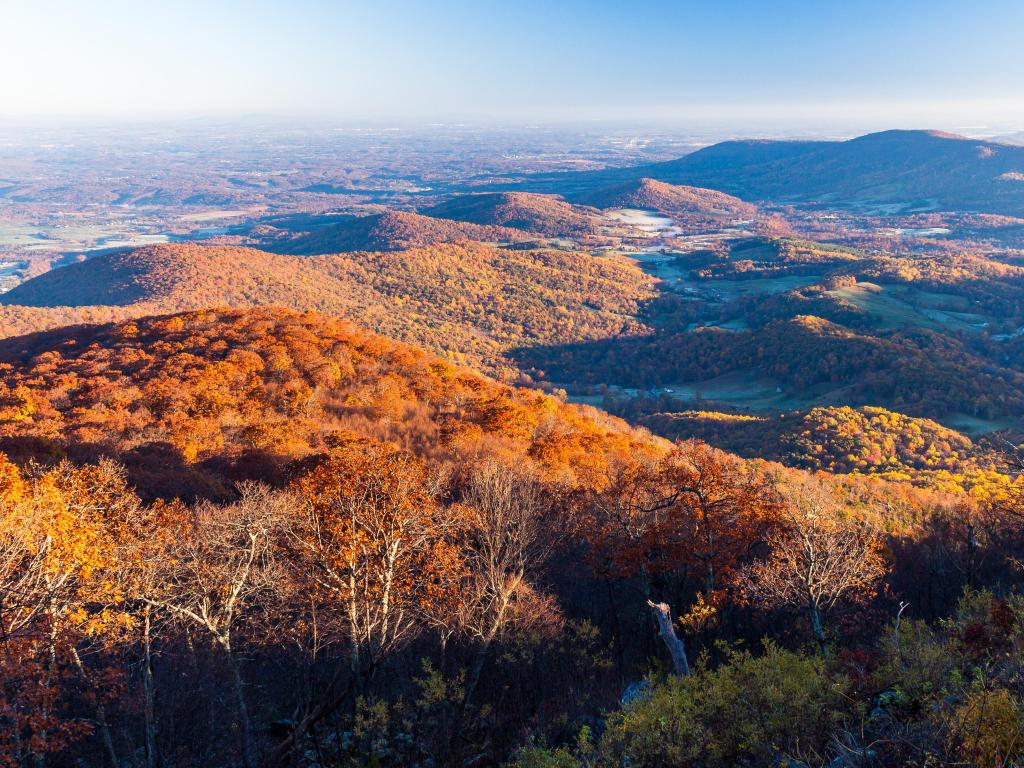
(927, 335)
(920, 373)
(868, 439)
(541, 214)
(469, 300)
(393, 231)
(649, 194)
(904, 168)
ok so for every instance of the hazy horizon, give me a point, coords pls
(794, 65)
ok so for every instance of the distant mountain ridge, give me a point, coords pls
(927, 170)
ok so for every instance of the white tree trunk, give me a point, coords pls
(676, 648)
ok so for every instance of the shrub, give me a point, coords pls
(764, 708)
(989, 728)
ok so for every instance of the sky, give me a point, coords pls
(899, 63)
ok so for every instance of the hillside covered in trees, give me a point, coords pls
(469, 300)
(265, 537)
(928, 335)
(798, 324)
(323, 483)
(213, 388)
(168, 275)
(835, 439)
(393, 231)
(541, 214)
(649, 194)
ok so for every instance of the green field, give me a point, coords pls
(739, 390)
(900, 306)
(971, 425)
(76, 237)
(726, 290)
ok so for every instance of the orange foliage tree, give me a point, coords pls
(375, 546)
(723, 504)
(57, 557)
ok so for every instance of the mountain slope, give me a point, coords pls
(469, 300)
(181, 276)
(905, 169)
(188, 401)
(807, 359)
(834, 439)
(476, 301)
(541, 214)
(656, 195)
(393, 231)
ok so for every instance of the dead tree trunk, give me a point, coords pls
(676, 648)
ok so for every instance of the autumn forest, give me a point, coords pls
(639, 461)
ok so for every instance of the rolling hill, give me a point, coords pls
(469, 300)
(802, 361)
(834, 439)
(393, 231)
(178, 277)
(655, 195)
(541, 214)
(190, 400)
(925, 170)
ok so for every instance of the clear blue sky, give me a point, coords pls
(939, 62)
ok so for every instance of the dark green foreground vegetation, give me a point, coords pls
(923, 695)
